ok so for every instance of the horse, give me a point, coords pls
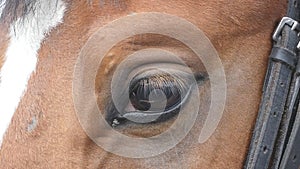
(40, 45)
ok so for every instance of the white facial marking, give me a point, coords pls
(26, 36)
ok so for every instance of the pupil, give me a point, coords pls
(140, 91)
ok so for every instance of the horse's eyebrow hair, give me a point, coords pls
(11, 10)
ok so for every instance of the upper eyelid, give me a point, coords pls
(198, 76)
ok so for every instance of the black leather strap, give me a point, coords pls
(287, 150)
(270, 114)
(269, 142)
(291, 159)
(287, 122)
(293, 10)
(283, 55)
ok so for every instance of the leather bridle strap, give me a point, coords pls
(273, 141)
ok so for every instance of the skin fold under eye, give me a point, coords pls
(156, 96)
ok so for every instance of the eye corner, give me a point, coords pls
(201, 77)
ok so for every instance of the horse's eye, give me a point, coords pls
(156, 95)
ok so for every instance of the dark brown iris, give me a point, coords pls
(155, 85)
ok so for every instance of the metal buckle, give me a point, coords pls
(295, 26)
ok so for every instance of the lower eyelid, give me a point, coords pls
(111, 112)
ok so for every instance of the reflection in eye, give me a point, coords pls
(155, 96)
(145, 84)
